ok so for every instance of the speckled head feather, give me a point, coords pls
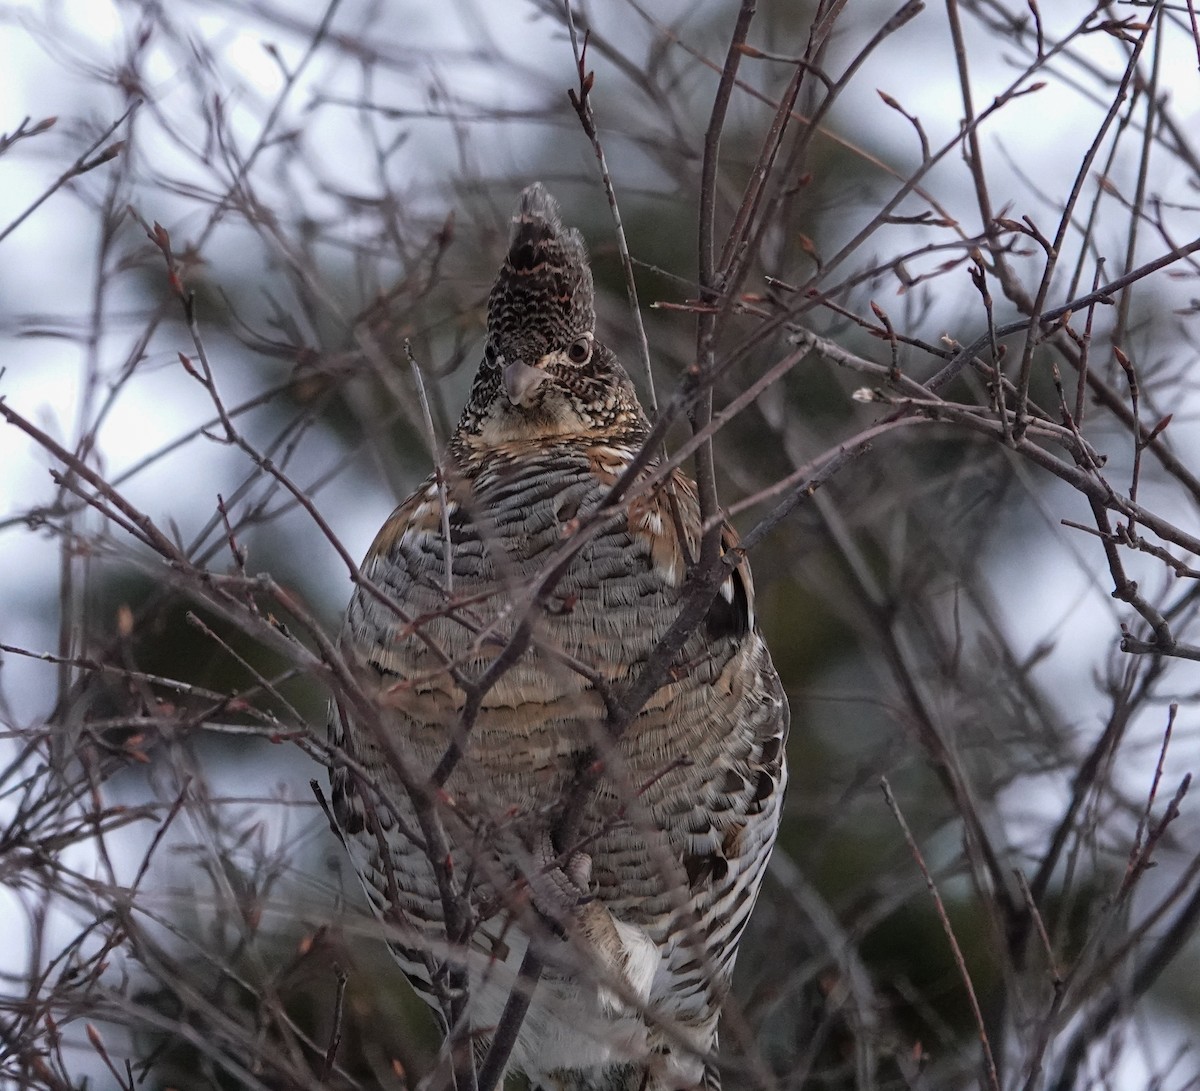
(543, 295)
(544, 376)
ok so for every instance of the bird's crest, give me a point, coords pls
(543, 295)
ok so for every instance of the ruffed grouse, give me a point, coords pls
(632, 857)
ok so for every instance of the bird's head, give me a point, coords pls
(544, 374)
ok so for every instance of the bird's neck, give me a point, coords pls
(474, 451)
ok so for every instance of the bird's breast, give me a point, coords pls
(566, 590)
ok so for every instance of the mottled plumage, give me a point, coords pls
(639, 915)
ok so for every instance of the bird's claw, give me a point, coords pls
(560, 891)
(613, 949)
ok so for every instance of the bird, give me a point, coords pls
(498, 801)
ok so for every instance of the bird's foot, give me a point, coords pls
(559, 890)
(621, 958)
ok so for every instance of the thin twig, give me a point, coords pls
(989, 1063)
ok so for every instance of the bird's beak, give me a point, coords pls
(521, 380)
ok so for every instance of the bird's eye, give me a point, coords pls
(580, 351)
